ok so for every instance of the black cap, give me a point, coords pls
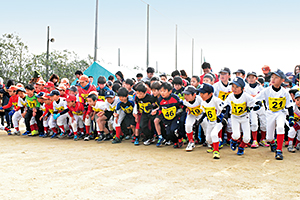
(189, 90)
(261, 80)
(240, 71)
(41, 94)
(206, 88)
(239, 82)
(54, 92)
(73, 88)
(226, 70)
(109, 93)
(279, 73)
(251, 73)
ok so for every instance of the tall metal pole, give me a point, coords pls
(201, 64)
(192, 56)
(119, 63)
(147, 61)
(96, 34)
(176, 48)
(47, 57)
(156, 67)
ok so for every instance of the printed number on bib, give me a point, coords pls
(238, 108)
(211, 113)
(276, 104)
(101, 98)
(169, 113)
(142, 107)
(32, 104)
(196, 111)
(223, 95)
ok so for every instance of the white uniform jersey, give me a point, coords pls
(100, 106)
(253, 91)
(113, 106)
(42, 107)
(213, 108)
(238, 107)
(22, 102)
(221, 91)
(275, 101)
(195, 108)
(60, 105)
(296, 113)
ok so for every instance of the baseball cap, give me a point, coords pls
(71, 98)
(109, 93)
(41, 82)
(49, 84)
(206, 88)
(83, 78)
(279, 73)
(21, 89)
(297, 95)
(189, 90)
(40, 95)
(61, 87)
(73, 88)
(238, 81)
(226, 70)
(240, 71)
(54, 92)
(251, 73)
(13, 88)
(64, 80)
(266, 68)
(20, 85)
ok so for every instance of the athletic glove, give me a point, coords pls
(257, 106)
(291, 121)
(220, 118)
(11, 113)
(1, 108)
(55, 116)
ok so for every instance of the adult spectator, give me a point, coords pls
(119, 75)
(5, 101)
(150, 72)
(296, 71)
(54, 78)
(185, 76)
(267, 73)
(207, 69)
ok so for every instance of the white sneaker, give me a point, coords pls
(86, 138)
(168, 143)
(291, 149)
(153, 140)
(16, 133)
(147, 142)
(209, 146)
(190, 146)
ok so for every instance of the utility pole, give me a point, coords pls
(147, 61)
(201, 64)
(96, 33)
(119, 57)
(176, 48)
(47, 55)
(192, 56)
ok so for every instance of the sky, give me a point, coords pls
(236, 34)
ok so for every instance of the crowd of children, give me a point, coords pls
(210, 110)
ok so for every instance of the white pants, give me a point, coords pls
(212, 131)
(77, 123)
(275, 120)
(292, 132)
(16, 118)
(239, 122)
(118, 123)
(258, 115)
(190, 120)
(51, 122)
(229, 126)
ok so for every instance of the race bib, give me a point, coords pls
(59, 109)
(97, 110)
(276, 104)
(196, 111)
(112, 108)
(84, 96)
(223, 95)
(238, 108)
(32, 104)
(169, 113)
(101, 98)
(51, 111)
(296, 117)
(15, 104)
(142, 107)
(211, 113)
(77, 113)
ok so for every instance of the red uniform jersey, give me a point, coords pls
(49, 109)
(83, 93)
(13, 101)
(77, 110)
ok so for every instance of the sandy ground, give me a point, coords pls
(38, 168)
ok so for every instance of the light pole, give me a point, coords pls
(47, 62)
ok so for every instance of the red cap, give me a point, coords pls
(266, 68)
(71, 98)
(83, 78)
(49, 84)
(13, 88)
(41, 82)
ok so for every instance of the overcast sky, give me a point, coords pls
(232, 33)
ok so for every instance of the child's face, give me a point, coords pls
(101, 85)
(54, 98)
(72, 93)
(239, 74)
(91, 102)
(165, 93)
(207, 80)
(110, 99)
(251, 79)
(189, 97)
(128, 87)
(177, 86)
(163, 79)
(236, 89)
(47, 101)
(62, 92)
(297, 101)
(194, 82)
(205, 96)
(155, 92)
(140, 95)
(29, 92)
(71, 103)
(11, 92)
(276, 80)
(123, 99)
(224, 77)
(293, 96)
(21, 94)
(40, 100)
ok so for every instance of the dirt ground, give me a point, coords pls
(38, 168)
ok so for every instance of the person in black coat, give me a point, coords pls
(5, 101)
